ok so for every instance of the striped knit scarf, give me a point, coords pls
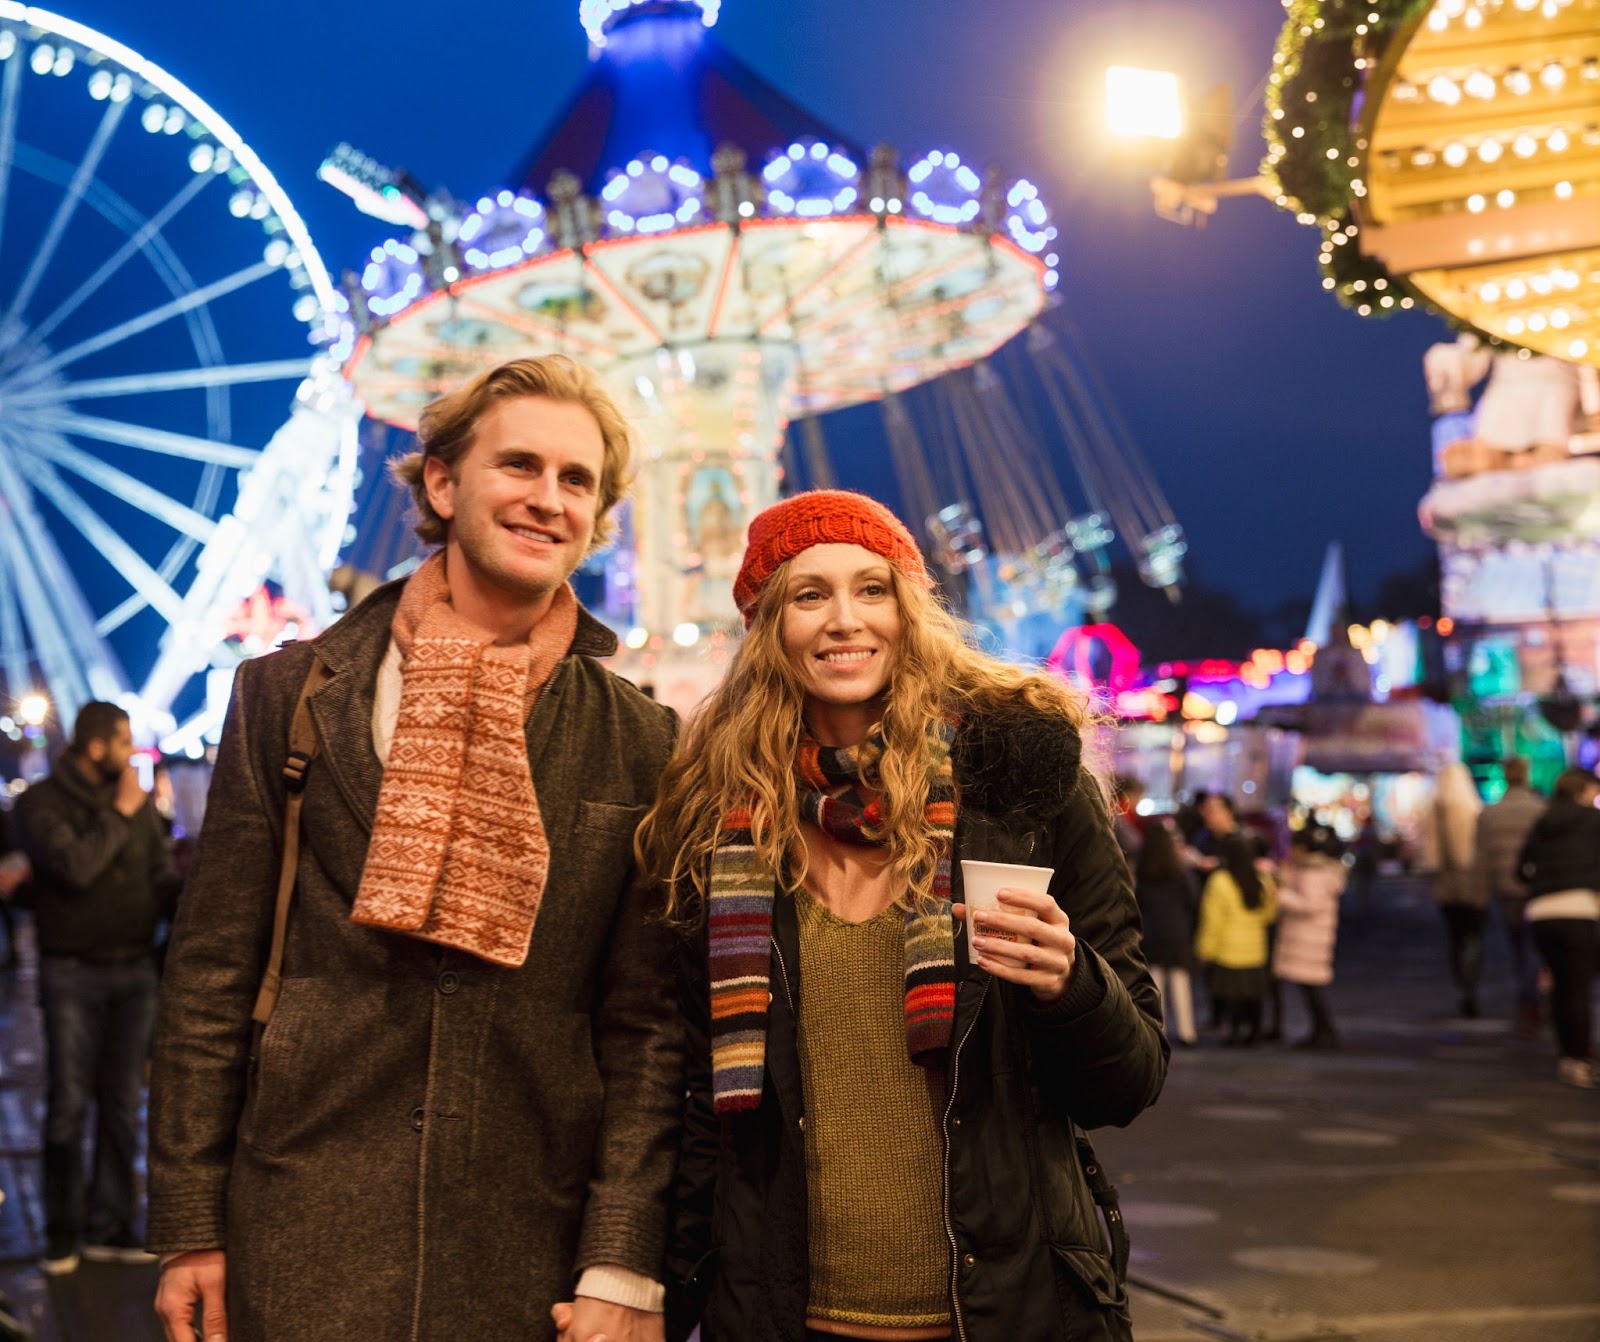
(741, 900)
(458, 853)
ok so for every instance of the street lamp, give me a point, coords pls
(33, 709)
(1147, 110)
(1143, 104)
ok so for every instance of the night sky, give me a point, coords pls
(1274, 420)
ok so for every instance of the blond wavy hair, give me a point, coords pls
(740, 747)
(447, 426)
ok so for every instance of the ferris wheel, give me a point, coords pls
(173, 429)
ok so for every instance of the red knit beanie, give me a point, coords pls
(821, 517)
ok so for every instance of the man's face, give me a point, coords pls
(110, 757)
(522, 502)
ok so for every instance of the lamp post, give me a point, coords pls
(1186, 150)
(33, 709)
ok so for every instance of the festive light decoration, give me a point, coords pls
(945, 189)
(393, 277)
(597, 16)
(1322, 106)
(812, 181)
(503, 230)
(652, 195)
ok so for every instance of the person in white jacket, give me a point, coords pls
(1309, 887)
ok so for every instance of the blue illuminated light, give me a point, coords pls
(392, 278)
(1028, 223)
(502, 231)
(947, 189)
(651, 195)
(811, 181)
(597, 16)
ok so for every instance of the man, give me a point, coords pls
(465, 1103)
(1502, 830)
(101, 878)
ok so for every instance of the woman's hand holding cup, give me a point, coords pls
(1018, 932)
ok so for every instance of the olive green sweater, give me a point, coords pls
(874, 1158)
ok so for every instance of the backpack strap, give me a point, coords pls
(303, 748)
(1104, 1193)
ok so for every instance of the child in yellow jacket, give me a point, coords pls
(1236, 908)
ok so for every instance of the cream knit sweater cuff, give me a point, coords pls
(621, 1286)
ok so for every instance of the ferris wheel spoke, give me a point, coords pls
(52, 447)
(68, 207)
(147, 439)
(129, 249)
(9, 96)
(195, 298)
(74, 660)
(150, 585)
(188, 379)
(13, 648)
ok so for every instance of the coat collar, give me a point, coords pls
(353, 649)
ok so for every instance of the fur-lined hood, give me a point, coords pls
(1017, 760)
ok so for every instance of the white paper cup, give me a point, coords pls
(982, 883)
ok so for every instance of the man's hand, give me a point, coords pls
(588, 1320)
(187, 1280)
(130, 796)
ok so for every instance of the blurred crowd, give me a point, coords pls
(1236, 912)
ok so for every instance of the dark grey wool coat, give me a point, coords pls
(421, 1145)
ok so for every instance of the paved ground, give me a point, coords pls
(1430, 1181)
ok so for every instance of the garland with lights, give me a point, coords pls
(1314, 149)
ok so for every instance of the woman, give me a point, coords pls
(1561, 864)
(1236, 908)
(880, 1136)
(1449, 836)
(1309, 887)
(1166, 894)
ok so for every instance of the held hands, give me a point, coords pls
(1043, 951)
(588, 1320)
(187, 1280)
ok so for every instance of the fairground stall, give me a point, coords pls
(1449, 154)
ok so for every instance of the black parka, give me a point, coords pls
(102, 881)
(1029, 1260)
(1562, 850)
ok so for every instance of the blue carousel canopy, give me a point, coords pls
(663, 84)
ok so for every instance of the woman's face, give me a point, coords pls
(841, 624)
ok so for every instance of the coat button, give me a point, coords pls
(956, 1121)
(449, 981)
(417, 1115)
(801, 1123)
(969, 1261)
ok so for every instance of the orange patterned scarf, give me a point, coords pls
(459, 854)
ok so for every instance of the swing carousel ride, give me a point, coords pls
(730, 265)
